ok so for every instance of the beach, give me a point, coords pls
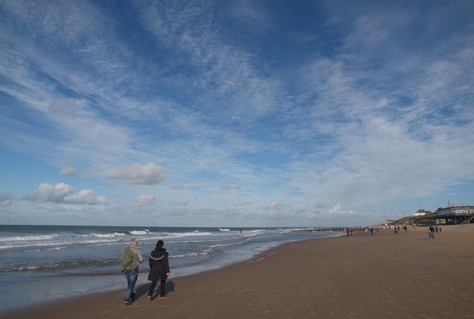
(382, 276)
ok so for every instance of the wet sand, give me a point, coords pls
(382, 276)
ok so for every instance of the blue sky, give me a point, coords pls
(234, 113)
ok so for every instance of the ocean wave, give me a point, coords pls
(108, 235)
(175, 235)
(252, 231)
(139, 232)
(198, 241)
(231, 244)
(65, 265)
(21, 245)
(27, 238)
(188, 254)
(37, 246)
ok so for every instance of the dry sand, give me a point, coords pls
(384, 276)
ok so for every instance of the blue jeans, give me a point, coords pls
(132, 276)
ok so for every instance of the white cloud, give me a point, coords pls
(85, 196)
(149, 174)
(251, 14)
(240, 202)
(6, 199)
(65, 107)
(50, 193)
(145, 199)
(63, 193)
(228, 186)
(68, 171)
(275, 205)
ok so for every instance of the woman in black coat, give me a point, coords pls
(159, 269)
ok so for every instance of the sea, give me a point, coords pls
(46, 263)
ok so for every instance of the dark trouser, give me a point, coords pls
(153, 286)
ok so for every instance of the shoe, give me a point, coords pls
(126, 303)
(148, 299)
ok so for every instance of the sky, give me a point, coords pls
(234, 113)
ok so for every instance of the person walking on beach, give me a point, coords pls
(159, 269)
(431, 232)
(131, 258)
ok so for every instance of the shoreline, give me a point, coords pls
(396, 275)
(58, 280)
(24, 289)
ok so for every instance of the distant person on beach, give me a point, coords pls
(159, 269)
(431, 231)
(131, 258)
(396, 229)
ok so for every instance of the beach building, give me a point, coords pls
(456, 214)
(421, 212)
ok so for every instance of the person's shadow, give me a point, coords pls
(169, 286)
(143, 289)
